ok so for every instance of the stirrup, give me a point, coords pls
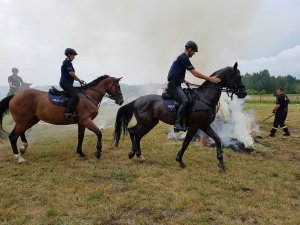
(179, 127)
(70, 115)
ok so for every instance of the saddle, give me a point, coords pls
(197, 102)
(57, 97)
(56, 92)
(170, 103)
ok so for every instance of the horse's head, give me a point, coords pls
(27, 85)
(232, 80)
(114, 91)
(23, 87)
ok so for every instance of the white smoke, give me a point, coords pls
(135, 39)
(233, 123)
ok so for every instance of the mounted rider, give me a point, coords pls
(66, 82)
(14, 81)
(176, 76)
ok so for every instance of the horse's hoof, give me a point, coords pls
(141, 158)
(21, 160)
(81, 154)
(181, 163)
(131, 154)
(98, 155)
(222, 167)
(23, 148)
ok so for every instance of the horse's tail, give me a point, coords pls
(4, 105)
(123, 118)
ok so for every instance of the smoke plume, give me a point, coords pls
(135, 39)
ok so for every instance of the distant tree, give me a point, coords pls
(263, 81)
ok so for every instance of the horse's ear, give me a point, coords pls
(118, 79)
(235, 66)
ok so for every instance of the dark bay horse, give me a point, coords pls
(30, 106)
(150, 109)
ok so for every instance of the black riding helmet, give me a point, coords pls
(192, 45)
(70, 51)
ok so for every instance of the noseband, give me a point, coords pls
(109, 95)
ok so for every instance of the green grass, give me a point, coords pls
(55, 186)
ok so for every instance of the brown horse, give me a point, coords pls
(30, 106)
(150, 109)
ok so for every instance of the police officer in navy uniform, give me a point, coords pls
(14, 82)
(66, 82)
(281, 111)
(176, 76)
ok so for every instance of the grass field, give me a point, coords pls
(56, 187)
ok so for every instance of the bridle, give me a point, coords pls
(103, 94)
(235, 89)
(229, 90)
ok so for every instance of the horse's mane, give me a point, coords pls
(95, 82)
(214, 74)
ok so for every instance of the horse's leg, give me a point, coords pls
(188, 137)
(139, 135)
(133, 143)
(92, 127)
(81, 130)
(210, 132)
(138, 132)
(23, 148)
(13, 137)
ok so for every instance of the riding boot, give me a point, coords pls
(272, 133)
(70, 114)
(286, 132)
(179, 125)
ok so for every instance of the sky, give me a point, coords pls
(139, 40)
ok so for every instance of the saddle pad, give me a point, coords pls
(58, 100)
(171, 105)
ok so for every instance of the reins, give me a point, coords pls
(84, 93)
(196, 96)
(105, 94)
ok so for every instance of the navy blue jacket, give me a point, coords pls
(179, 67)
(65, 78)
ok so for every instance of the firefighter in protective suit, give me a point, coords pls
(281, 111)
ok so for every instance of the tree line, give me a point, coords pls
(263, 83)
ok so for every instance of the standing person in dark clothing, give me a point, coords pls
(66, 82)
(281, 111)
(14, 81)
(176, 76)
